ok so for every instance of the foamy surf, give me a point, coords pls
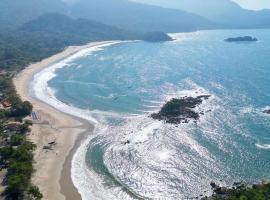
(90, 184)
(262, 146)
(131, 155)
(178, 37)
(40, 89)
(139, 131)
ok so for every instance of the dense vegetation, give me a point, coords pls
(16, 152)
(16, 51)
(241, 192)
(51, 33)
(64, 30)
(14, 13)
(38, 39)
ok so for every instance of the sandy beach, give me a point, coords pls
(53, 166)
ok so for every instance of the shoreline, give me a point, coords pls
(67, 187)
(53, 167)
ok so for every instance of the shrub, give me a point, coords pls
(33, 193)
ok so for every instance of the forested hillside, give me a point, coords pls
(121, 13)
(50, 33)
(14, 13)
(136, 16)
(165, 16)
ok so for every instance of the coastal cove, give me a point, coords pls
(53, 125)
(134, 100)
(95, 102)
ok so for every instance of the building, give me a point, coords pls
(6, 104)
(2, 72)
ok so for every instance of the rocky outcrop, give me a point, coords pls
(181, 110)
(239, 190)
(241, 39)
(266, 112)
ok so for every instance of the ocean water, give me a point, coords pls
(117, 86)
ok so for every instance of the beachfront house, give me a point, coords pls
(6, 104)
(3, 72)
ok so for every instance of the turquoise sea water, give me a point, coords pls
(123, 84)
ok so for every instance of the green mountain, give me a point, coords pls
(67, 31)
(136, 16)
(14, 13)
(50, 33)
(161, 15)
(121, 13)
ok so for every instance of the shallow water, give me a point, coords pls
(119, 86)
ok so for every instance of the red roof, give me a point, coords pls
(6, 104)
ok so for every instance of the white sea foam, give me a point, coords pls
(152, 147)
(254, 112)
(85, 83)
(247, 110)
(163, 154)
(155, 146)
(263, 146)
(148, 129)
(88, 183)
(217, 85)
(184, 36)
(41, 90)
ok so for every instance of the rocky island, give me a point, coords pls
(181, 110)
(241, 39)
(266, 111)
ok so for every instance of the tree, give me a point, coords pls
(16, 140)
(15, 187)
(6, 152)
(33, 193)
(22, 109)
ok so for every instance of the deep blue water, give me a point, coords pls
(124, 83)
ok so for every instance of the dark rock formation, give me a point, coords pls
(241, 39)
(213, 184)
(181, 110)
(267, 112)
(239, 190)
(156, 37)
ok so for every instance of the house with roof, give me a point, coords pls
(6, 104)
(3, 72)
